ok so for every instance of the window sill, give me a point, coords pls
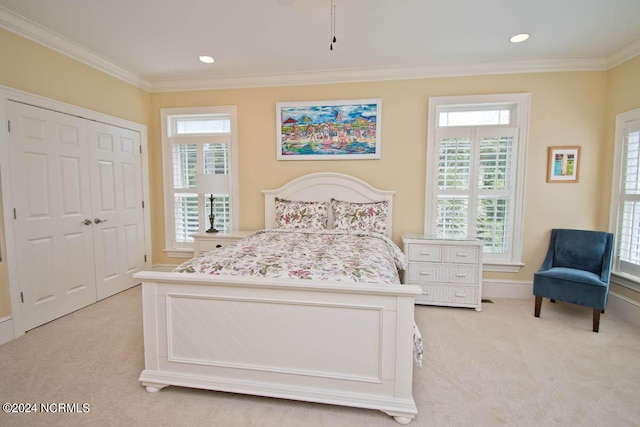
(626, 280)
(179, 252)
(504, 267)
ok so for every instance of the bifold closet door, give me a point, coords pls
(79, 223)
(53, 213)
(116, 192)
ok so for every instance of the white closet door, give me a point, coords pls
(116, 190)
(52, 200)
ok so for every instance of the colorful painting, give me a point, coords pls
(329, 130)
(563, 164)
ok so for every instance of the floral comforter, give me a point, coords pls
(307, 254)
(317, 255)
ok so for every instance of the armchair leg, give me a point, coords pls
(538, 305)
(596, 319)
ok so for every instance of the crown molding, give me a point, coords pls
(623, 55)
(378, 74)
(34, 32)
(47, 38)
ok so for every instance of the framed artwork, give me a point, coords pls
(329, 130)
(563, 164)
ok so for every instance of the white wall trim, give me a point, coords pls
(379, 74)
(494, 288)
(623, 55)
(617, 305)
(624, 308)
(6, 329)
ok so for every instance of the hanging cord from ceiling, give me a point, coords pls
(333, 24)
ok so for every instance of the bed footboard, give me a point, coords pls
(333, 343)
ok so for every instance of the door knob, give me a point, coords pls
(98, 220)
(87, 221)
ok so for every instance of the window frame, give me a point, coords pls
(617, 188)
(519, 103)
(186, 249)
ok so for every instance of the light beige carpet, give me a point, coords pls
(499, 367)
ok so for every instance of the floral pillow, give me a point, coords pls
(369, 217)
(295, 214)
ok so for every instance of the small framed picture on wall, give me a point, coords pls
(563, 164)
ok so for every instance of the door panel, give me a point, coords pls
(117, 205)
(55, 249)
(71, 186)
(74, 248)
(36, 170)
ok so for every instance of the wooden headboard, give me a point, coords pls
(322, 187)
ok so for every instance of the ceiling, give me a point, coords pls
(155, 44)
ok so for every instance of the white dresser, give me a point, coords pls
(204, 242)
(449, 271)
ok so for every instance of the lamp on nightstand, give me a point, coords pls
(212, 184)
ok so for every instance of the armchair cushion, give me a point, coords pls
(571, 285)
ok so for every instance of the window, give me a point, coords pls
(475, 173)
(625, 206)
(197, 141)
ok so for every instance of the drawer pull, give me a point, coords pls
(425, 273)
(425, 253)
(459, 295)
(461, 275)
(461, 255)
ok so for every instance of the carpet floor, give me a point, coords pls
(498, 367)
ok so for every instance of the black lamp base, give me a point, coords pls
(212, 217)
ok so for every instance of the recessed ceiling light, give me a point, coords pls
(206, 59)
(519, 38)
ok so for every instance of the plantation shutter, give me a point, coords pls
(186, 211)
(628, 233)
(216, 160)
(192, 154)
(475, 191)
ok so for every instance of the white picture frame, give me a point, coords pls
(329, 130)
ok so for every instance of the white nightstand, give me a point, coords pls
(449, 271)
(204, 242)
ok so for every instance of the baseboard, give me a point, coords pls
(6, 329)
(619, 305)
(624, 307)
(517, 289)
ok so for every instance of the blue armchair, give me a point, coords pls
(576, 270)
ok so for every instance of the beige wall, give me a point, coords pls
(571, 108)
(623, 95)
(29, 67)
(566, 109)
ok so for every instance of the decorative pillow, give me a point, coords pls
(295, 214)
(369, 217)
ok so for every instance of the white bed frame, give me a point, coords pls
(324, 342)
